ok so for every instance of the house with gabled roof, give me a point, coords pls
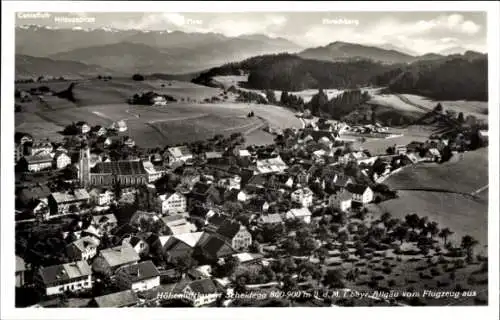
(341, 200)
(172, 203)
(138, 277)
(302, 214)
(84, 248)
(235, 234)
(122, 299)
(201, 292)
(360, 193)
(211, 247)
(119, 256)
(57, 279)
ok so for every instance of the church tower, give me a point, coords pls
(84, 166)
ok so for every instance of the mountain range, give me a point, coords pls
(145, 51)
(39, 50)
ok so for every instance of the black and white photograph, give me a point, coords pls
(206, 158)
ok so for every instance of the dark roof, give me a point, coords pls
(203, 286)
(120, 299)
(318, 134)
(356, 188)
(120, 168)
(214, 246)
(228, 229)
(258, 180)
(200, 188)
(140, 271)
(216, 220)
(65, 272)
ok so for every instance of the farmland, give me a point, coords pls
(478, 109)
(463, 214)
(306, 95)
(102, 103)
(411, 133)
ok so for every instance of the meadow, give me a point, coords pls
(479, 109)
(463, 214)
(103, 102)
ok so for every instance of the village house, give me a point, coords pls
(120, 126)
(180, 154)
(302, 214)
(204, 194)
(159, 100)
(259, 204)
(84, 248)
(360, 193)
(483, 136)
(140, 245)
(177, 246)
(83, 127)
(172, 203)
(201, 292)
(154, 172)
(20, 272)
(129, 142)
(67, 202)
(400, 149)
(303, 196)
(269, 219)
(271, 165)
(230, 183)
(341, 200)
(177, 224)
(243, 196)
(101, 196)
(122, 299)
(57, 279)
(119, 256)
(61, 160)
(37, 162)
(433, 155)
(212, 247)
(43, 147)
(235, 234)
(341, 181)
(138, 277)
(105, 223)
(99, 131)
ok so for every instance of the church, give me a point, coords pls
(126, 173)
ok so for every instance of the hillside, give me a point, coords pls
(463, 77)
(30, 67)
(292, 73)
(342, 51)
(145, 51)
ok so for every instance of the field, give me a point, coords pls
(411, 133)
(462, 214)
(478, 109)
(390, 100)
(306, 95)
(102, 103)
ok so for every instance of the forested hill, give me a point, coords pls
(454, 78)
(291, 73)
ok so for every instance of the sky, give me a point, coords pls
(412, 32)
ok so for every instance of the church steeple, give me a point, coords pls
(84, 165)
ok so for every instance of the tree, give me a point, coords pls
(438, 108)
(460, 118)
(333, 279)
(412, 220)
(468, 244)
(401, 233)
(227, 268)
(138, 77)
(117, 189)
(386, 216)
(444, 234)
(184, 263)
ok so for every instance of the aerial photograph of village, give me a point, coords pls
(270, 159)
